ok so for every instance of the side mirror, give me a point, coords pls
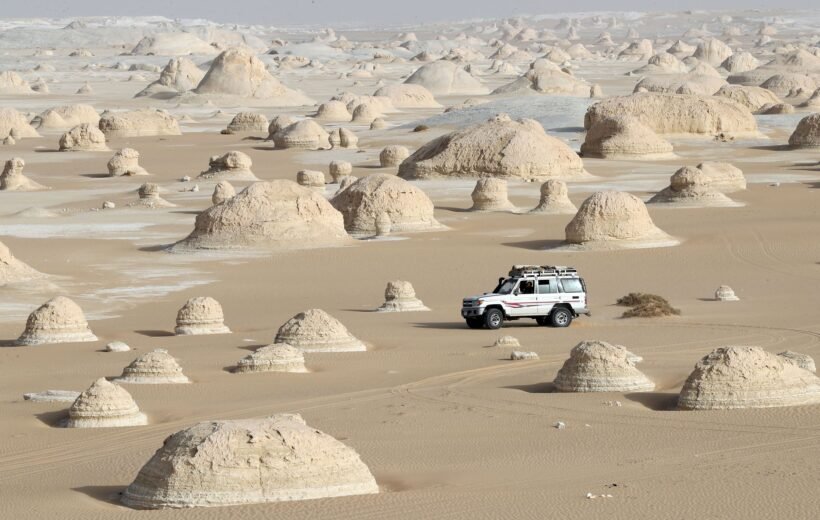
(516, 292)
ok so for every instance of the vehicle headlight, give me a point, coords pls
(479, 302)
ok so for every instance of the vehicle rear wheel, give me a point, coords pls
(560, 317)
(494, 319)
(475, 323)
(542, 320)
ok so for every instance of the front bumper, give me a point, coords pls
(471, 312)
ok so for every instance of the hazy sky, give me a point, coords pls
(284, 12)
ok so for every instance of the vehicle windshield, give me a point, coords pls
(506, 287)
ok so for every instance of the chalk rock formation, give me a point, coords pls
(201, 315)
(598, 366)
(399, 296)
(11, 83)
(317, 331)
(804, 361)
(232, 165)
(13, 270)
(712, 51)
(278, 214)
(12, 121)
(499, 147)
(409, 95)
(238, 73)
(117, 346)
(724, 293)
(333, 111)
(273, 358)
(752, 98)
(12, 178)
(278, 124)
(490, 194)
(747, 377)
(59, 320)
(544, 77)
(83, 138)
(248, 122)
(507, 342)
(311, 179)
(172, 44)
(624, 137)
(149, 197)
(66, 117)
(408, 207)
(125, 162)
(179, 75)
(613, 218)
(339, 169)
(104, 405)
(807, 133)
(157, 367)
(691, 187)
(246, 461)
(223, 191)
(52, 396)
(305, 134)
(554, 199)
(677, 114)
(343, 138)
(723, 176)
(445, 78)
(393, 155)
(137, 123)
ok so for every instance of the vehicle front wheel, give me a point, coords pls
(561, 317)
(494, 319)
(475, 323)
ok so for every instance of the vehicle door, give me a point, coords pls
(548, 295)
(524, 300)
(572, 292)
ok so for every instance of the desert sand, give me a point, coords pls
(445, 422)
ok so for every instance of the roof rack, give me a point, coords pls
(548, 270)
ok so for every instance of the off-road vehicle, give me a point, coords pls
(551, 295)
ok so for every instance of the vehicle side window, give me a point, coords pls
(547, 287)
(571, 285)
(526, 287)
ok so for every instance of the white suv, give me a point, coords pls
(552, 295)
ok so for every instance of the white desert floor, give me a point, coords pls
(449, 427)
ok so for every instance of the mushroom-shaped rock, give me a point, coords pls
(624, 137)
(149, 197)
(83, 138)
(366, 113)
(747, 377)
(12, 178)
(393, 155)
(13, 270)
(724, 293)
(499, 147)
(689, 186)
(554, 199)
(807, 133)
(317, 331)
(248, 122)
(804, 361)
(273, 358)
(407, 206)
(137, 123)
(157, 367)
(339, 169)
(677, 113)
(444, 78)
(59, 320)
(278, 124)
(246, 461)
(333, 111)
(406, 95)
(201, 315)
(278, 214)
(239, 73)
(223, 191)
(104, 405)
(598, 366)
(125, 162)
(305, 134)
(399, 296)
(232, 165)
(490, 194)
(612, 218)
